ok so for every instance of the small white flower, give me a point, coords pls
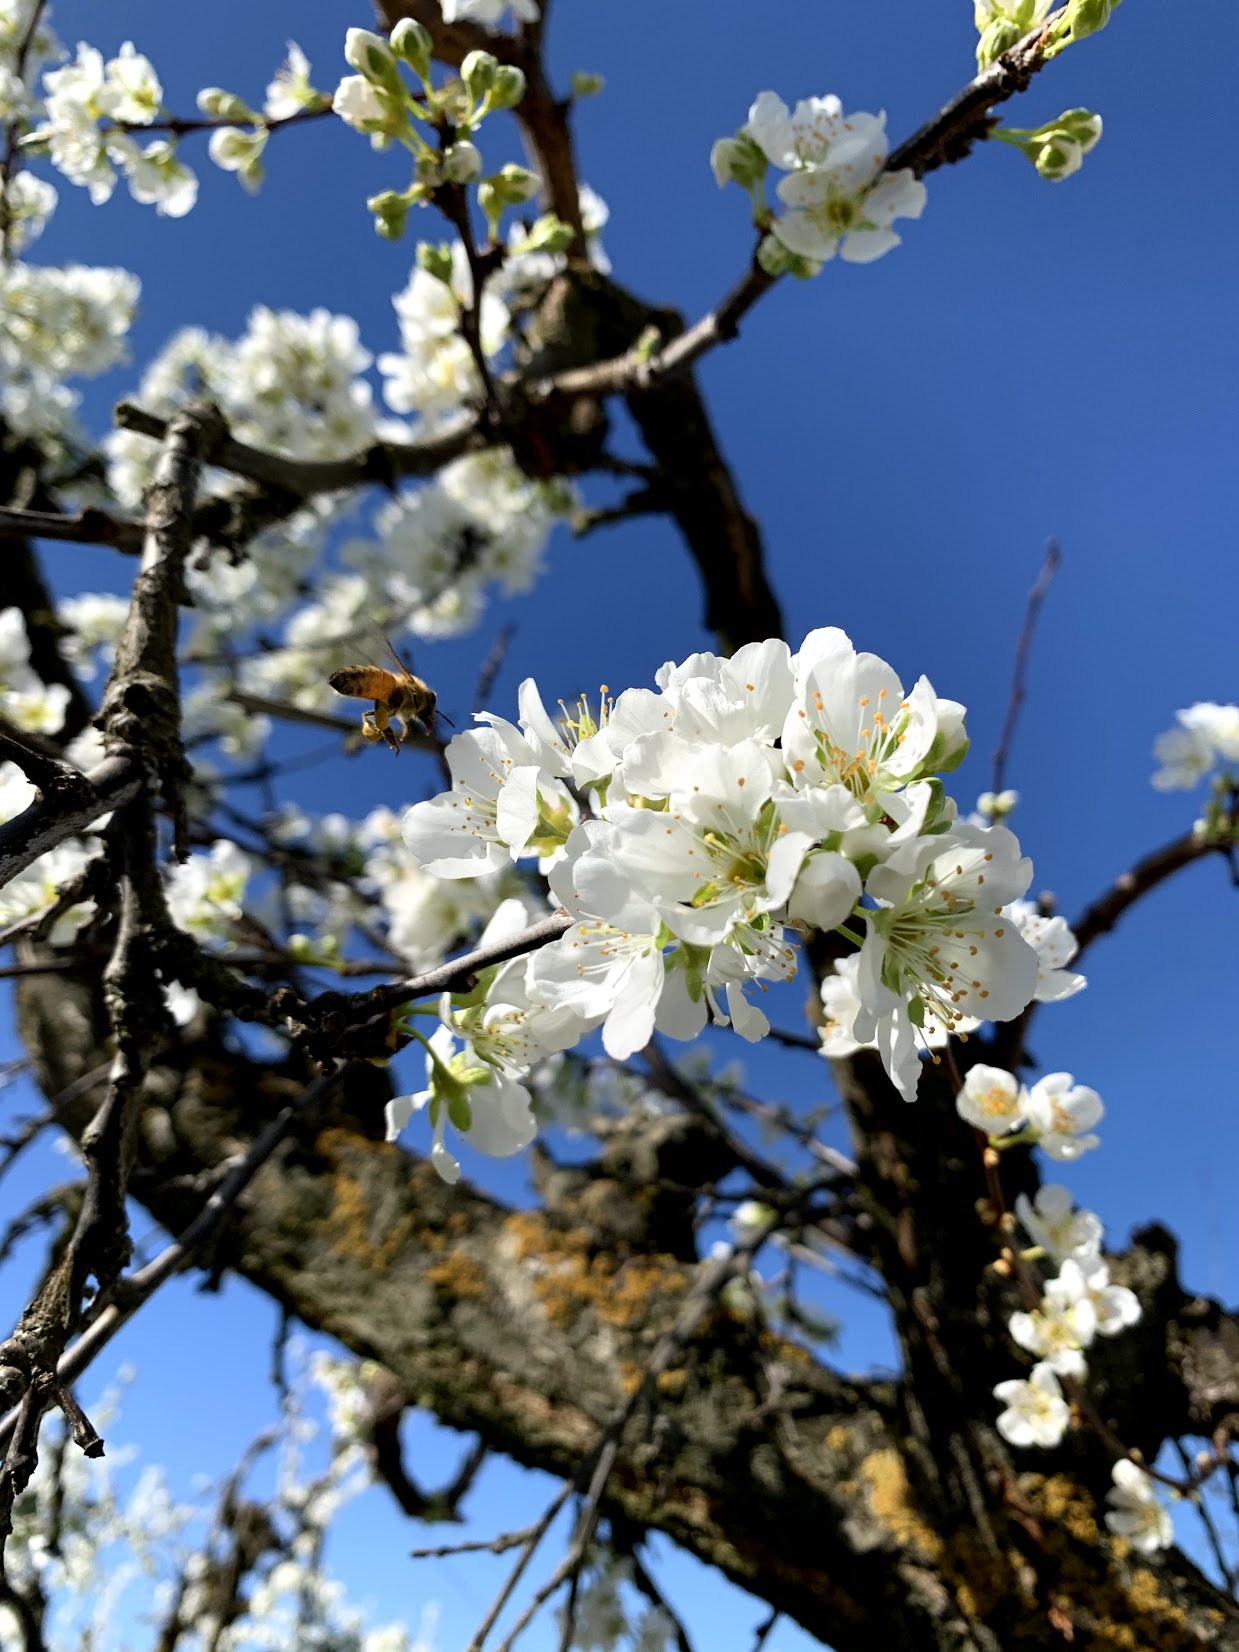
(1055, 945)
(939, 938)
(1052, 1222)
(290, 90)
(1135, 1512)
(204, 893)
(1036, 1413)
(1063, 1325)
(1219, 725)
(991, 1099)
(1063, 1112)
(132, 92)
(1116, 1307)
(1185, 754)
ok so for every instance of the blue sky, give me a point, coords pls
(1035, 360)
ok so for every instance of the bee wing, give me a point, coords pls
(400, 665)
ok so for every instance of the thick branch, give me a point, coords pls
(380, 462)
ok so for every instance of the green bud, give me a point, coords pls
(516, 183)
(217, 104)
(372, 57)
(737, 160)
(462, 163)
(478, 72)
(996, 38)
(509, 187)
(391, 213)
(507, 89)
(585, 84)
(546, 234)
(1086, 17)
(648, 345)
(436, 261)
(428, 171)
(459, 1110)
(412, 41)
(776, 259)
(1058, 148)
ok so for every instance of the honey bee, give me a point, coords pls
(399, 698)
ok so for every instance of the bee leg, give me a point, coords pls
(370, 728)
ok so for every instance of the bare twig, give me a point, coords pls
(492, 665)
(1049, 567)
(181, 1253)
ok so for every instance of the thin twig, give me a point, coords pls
(1049, 567)
(139, 1287)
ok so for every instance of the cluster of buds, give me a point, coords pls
(379, 101)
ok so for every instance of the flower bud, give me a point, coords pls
(217, 104)
(1085, 17)
(996, 38)
(737, 160)
(508, 88)
(546, 234)
(462, 162)
(391, 213)
(478, 73)
(412, 41)
(372, 57)
(436, 261)
(585, 84)
(776, 260)
(517, 183)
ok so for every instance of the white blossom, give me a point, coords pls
(991, 1099)
(1115, 1306)
(839, 197)
(1063, 1112)
(290, 90)
(1062, 1326)
(939, 938)
(501, 805)
(205, 892)
(1135, 1512)
(1036, 1413)
(1055, 945)
(41, 884)
(1052, 1222)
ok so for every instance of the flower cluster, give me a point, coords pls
(1057, 1113)
(693, 832)
(1058, 148)
(1079, 1303)
(838, 194)
(89, 110)
(204, 892)
(377, 100)
(55, 324)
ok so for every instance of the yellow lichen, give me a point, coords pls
(459, 1275)
(890, 1502)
